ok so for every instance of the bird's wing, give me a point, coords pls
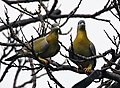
(39, 45)
(93, 52)
(92, 49)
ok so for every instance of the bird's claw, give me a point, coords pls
(87, 69)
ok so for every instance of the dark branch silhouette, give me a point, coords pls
(110, 70)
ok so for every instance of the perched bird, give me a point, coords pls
(82, 46)
(44, 47)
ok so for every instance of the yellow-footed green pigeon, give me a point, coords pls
(44, 47)
(82, 46)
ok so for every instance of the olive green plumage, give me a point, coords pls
(82, 46)
(44, 47)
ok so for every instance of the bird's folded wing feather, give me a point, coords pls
(39, 45)
(92, 49)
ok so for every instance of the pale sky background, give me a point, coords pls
(95, 30)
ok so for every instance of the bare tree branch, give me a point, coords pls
(20, 1)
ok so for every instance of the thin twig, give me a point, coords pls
(53, 78)
(71, 13)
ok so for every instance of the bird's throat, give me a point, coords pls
(81, 35)
(52, 37)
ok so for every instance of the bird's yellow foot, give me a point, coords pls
(43, 60)
(88, 69)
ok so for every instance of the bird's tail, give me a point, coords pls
(16, 56)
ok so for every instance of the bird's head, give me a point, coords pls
(81, 25)
(55, 27)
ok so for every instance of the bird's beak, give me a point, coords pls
(81, 23)
(55, 25)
